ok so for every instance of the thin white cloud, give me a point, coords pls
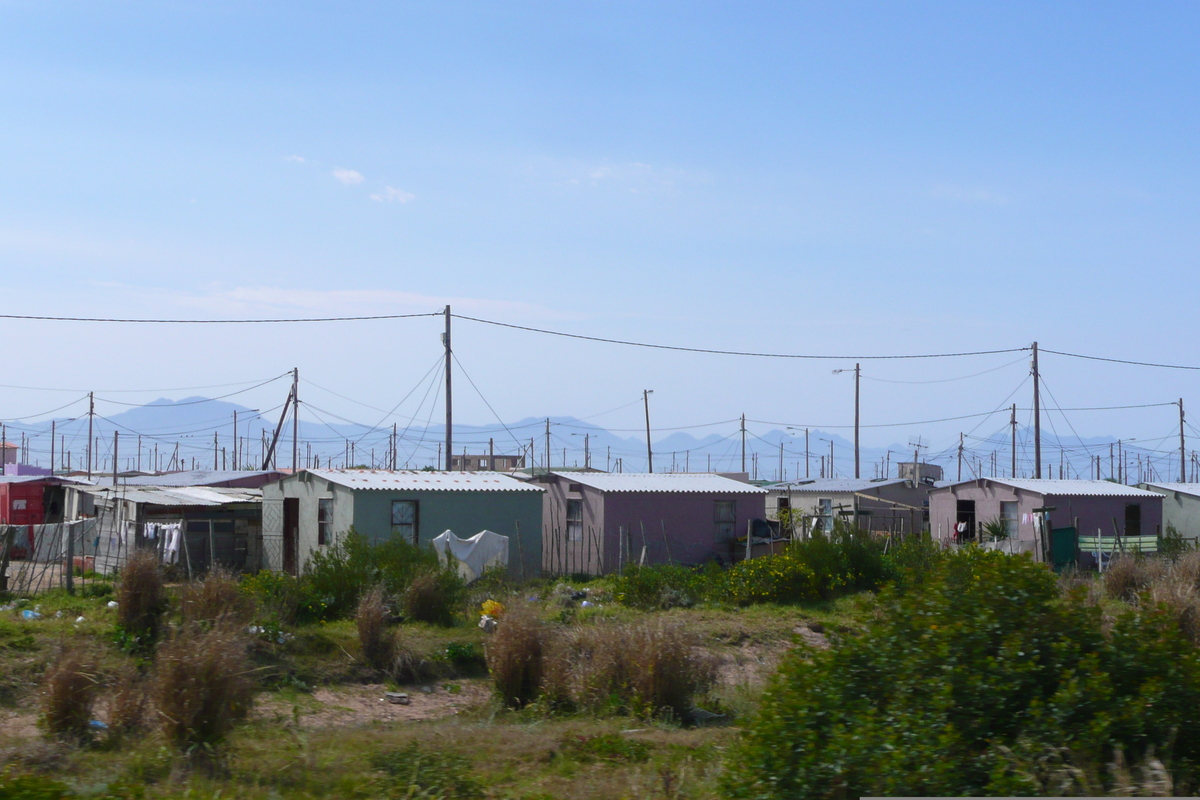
(392, 195)
(296, 159)
(349, 177)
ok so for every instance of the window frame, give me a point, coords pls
(724, 529)
(324, 521)
(397, 528)
(574, 523)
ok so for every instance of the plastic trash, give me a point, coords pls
(488, 624)
(97, 725)
(586, 604)
(112, 603)
(58, 614)
(79, 620)
(27, 614)
(254, 630)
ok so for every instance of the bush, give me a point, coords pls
(1127, 576)
(1172, 546)
(127, 707)
(947, 686)
(433, 595)
(645, 670)
(68, 694)
(377, 642)
(516, 656)
(279, 596)
(202, 686)
(914, 560)
(217, 596)
(416, 772)
(141, 599)
(661, 586)
(336, 576)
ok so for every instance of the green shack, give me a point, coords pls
(309, 510)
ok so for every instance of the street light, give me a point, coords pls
(586, 452)
(857, 379)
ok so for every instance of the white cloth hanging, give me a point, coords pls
(474, 555)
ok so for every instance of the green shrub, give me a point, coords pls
(141, 600)
(1172, 545)
(947, 684)
(335, 577)
(770, 579)
(433, 595)
(415, 772)
(661, 586)
(912, 561)
(610, 747)
(279, 597)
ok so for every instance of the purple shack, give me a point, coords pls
(592, 522)
(1082, 509)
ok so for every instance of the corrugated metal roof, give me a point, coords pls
(1183, 488)
(176, 495)
(195, 477)
(56, 479)
(416, 480)
(694, 482)
(831, 485)
(1077, 488)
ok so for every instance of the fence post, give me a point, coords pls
(10, 534)
(70, 565)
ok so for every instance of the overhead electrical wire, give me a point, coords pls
(47, 318)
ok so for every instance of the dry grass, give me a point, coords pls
(202, 686)
(377, 641)
(68, 695)
(516, 655)
(141, 599)
(645, 669)
(430, 597)
(215, 597)
(129, 703)
(1129, 576)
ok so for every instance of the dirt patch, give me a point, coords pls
(19, 725)
(348, 706)
(813, 638)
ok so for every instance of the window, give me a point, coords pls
(1008, 514)
(483, 463)
(324, 521)
(725, 519)
(574, 487)
(784, 503)
(825, 514)
(1133, 519)
(574, 520)
(404, 519)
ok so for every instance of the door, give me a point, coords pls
(965, 530)
(291, 533)
(1063, 546)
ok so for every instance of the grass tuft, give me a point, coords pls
(217, 596)
(141, 598)
(68, 695)
(377, 641)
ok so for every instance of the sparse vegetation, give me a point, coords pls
(378, 643)
(68, 695)
(141, 599)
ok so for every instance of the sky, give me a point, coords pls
(817, 178)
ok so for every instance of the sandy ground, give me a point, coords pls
(345, 706)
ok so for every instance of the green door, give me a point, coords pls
(1063, 546)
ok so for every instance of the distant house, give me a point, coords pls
(228, 479)
(1119, 516)
(896, 506)
(33, 499)
(1181, 507)
(309, 510)
(596, 521)
(486, 463)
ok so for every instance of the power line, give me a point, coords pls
(1119, 360)
(215, 321)
(729, 352)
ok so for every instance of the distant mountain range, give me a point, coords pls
(176, 434)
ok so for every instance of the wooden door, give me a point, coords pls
(291, 533)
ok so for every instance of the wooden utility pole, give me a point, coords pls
(743, 442)
(296, 419)
(1037, 416)
(116, 466)
(1013, 423)
(492, 454)
(91, 414)
(649, 450)
(780, 478)
(857, 378)
(449, 404)
(548, 446)
(235, 443)
(215, 452)
(806, 456)
(52, 449)
(960, 454)
(1182, 447)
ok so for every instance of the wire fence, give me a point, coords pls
(73, 555)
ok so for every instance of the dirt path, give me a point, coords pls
(347, 706)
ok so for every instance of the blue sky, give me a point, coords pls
(792, 177)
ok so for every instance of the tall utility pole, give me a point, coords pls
(52, 448)
(780, 478)
(91, 413)
(857, 378)
(115, 465)
(649, 451)
(296, 420)
(1037, 416)
(235, 443)
(806, 456)
(548, 446)
(491, 454)
(1013, 423)
(1182, 446)
(449, 404)
(216, 465)
(960, 449)
(587, 453)
(743, 442)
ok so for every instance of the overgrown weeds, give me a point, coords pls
(1127, 576)
(336, 576)
(69, 695)
(378, 643)
(413, 771)
(516, 655)
(433, 595)
(141, 599)
(215, 597)
(129, 703)
(202, 686)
